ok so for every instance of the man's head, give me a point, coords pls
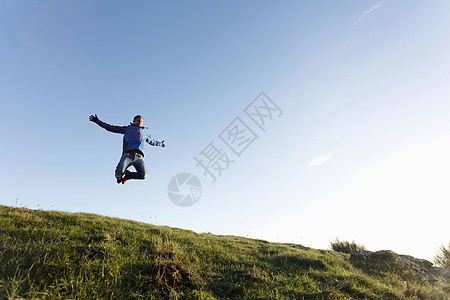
(138, 120)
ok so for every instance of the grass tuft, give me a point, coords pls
(442, 258)
(346, 247)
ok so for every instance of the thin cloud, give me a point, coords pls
(319, 160)
(370, 11)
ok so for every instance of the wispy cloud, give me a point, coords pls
(370, 11)
(319, 160)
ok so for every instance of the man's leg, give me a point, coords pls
(139, 165)
(123, 165)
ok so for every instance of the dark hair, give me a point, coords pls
(135, 117)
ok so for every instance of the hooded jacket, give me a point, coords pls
(134, 137)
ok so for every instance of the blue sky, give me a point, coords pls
(360, 151)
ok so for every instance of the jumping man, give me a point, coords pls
(134, 139)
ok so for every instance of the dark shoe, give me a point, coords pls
(125, 178)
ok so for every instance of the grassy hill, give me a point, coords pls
(56, 255)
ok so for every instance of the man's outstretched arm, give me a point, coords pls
(112, 128)
(154, 142)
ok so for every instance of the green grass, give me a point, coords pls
(56, 255)
(442, 258)
(346, 247)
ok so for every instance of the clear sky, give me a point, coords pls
(360, 150)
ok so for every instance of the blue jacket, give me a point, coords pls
(134, 137)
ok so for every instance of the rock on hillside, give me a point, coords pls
(420, 267)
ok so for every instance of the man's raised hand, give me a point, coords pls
(162, 144)
(93, 118)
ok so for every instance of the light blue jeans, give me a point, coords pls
(128, 160)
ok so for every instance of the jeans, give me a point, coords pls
(128, 160)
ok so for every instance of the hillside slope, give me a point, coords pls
(56, 255)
